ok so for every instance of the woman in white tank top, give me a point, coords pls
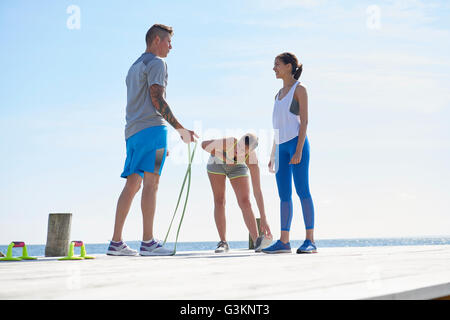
(290, 152)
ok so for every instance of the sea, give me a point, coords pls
(38, 250)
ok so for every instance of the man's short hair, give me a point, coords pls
(159, 30)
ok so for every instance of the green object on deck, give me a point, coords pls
(186, 176)
(70, 254)
(17, 244)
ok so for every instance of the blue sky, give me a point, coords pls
(379, 108)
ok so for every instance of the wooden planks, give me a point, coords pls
(403, 272)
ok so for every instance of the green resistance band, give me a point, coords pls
(188, 177)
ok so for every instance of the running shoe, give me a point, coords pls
(154, 248)
(307, 247)
(262, 242)
(278, 247)
(120, 249)
(222, 247)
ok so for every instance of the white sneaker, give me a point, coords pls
(222, 247)
(262, 242)
(120, 249)
(154, 248)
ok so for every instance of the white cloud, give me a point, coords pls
(384, 90)
(394, 59)
(415, 11)
(283, 4)
(282, 24)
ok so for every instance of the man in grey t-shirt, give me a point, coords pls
(148, 70)
(147, 113)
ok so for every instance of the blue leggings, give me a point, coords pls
(284, 173)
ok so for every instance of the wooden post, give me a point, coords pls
(58, 234)
(251, 245)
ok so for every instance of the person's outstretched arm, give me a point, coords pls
(252, 164)
(157, 96)
(218, 146)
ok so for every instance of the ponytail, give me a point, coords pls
(298, 72)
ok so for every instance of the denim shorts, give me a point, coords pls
(146, 151)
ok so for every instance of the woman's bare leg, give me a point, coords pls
(218, 182)
(241, 188)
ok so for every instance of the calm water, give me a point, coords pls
(99, 248)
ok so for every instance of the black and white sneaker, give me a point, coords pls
(222, 247)
(262, 242)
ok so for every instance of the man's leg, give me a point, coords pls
(132, 186)
(148, 203)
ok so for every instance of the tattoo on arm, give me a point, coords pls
(157, 96)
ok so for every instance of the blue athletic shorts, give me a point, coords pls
(146, 151)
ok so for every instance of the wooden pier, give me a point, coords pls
(396, 272)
